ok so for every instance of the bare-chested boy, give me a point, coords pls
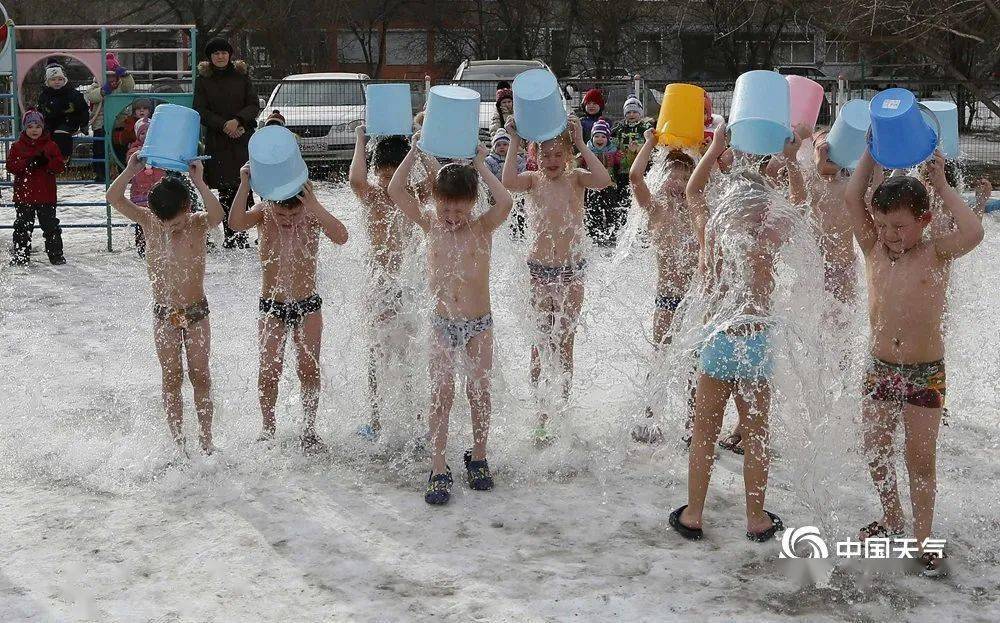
(740, 241)
(675, 244)
(458, 266)
(288, 232)
(825, 185)
(555, 261)
(907, 285)
(389, 231)
(175, 260)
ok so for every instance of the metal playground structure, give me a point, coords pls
(16, 63)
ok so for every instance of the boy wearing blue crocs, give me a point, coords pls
(458, 266)
(739, 243)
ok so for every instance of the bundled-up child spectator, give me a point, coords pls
(628, 133)
(118, 81)
(34, 160)
(593, 108)
(64, 109)
(505, 109)
(143, 182)
(125, 133)
(605, 212)
(494, 161)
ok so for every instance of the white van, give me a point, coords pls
(323, 109)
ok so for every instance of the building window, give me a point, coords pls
(843, 52)
(351, 50)
(406, 47)
(650, 48)
(795, 52)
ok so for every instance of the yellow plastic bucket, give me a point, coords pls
(682, 116)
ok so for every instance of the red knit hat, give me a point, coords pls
(595, 96)
(504, 94)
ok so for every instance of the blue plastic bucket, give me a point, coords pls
(947, 117)
(759, 119)
(539, 111)
(451, 122)
(903, 133)
(848, 136)
(388, 110)
(172, 139)
(277, 170)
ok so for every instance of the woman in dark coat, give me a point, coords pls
(227, 101)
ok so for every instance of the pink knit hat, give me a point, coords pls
(32, 116)
(601, 127)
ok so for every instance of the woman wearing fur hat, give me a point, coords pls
(64, 109)
(227, 101)
(118, 81)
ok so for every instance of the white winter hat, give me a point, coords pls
(54, 71)
(500, 135)
(632, 104)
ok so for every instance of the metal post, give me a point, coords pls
(15, 106)
(107, 135)
(194, 56)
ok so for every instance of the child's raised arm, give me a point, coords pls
(596, 176)
(969, 229)
(695, 190)
(116, 192)
(512, 180)
(796, 184)
(240, 219)
(196, 170)
(854, 198)
(637, 174)
(330, 224)
(358, 175)
(399, 192)
(502, 201)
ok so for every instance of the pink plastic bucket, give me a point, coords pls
(806, 97)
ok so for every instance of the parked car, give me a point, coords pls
(808, 71)
(323, 109)
(483, 76)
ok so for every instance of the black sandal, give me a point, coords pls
(478, 473)
(691, 534)
(933, 564)
(876, 530)
(438, 488)
(732, 442)
(762, 537)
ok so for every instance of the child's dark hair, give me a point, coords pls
(389, 152)
(681, 158)
(291, 202)
(901, 193)
(456, 182)
(169, 197)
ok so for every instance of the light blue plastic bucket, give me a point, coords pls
(947, 116)
(759, 119)
(903, 133)
(539, 111)
(451, 122)
(172, 139)
(388, 110)
(848, 136)
(277, 170)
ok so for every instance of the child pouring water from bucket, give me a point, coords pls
(458, 263)
(389, 232)
(674, 242)
(289, 220)
(555, 261)
(175, 259)
(908, 280)
(739, 244)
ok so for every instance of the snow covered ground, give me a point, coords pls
(101, 523)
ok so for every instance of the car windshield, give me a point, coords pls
(506, 71)
(319, 93)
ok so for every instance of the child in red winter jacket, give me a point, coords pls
(34, 160)
(143, 181)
